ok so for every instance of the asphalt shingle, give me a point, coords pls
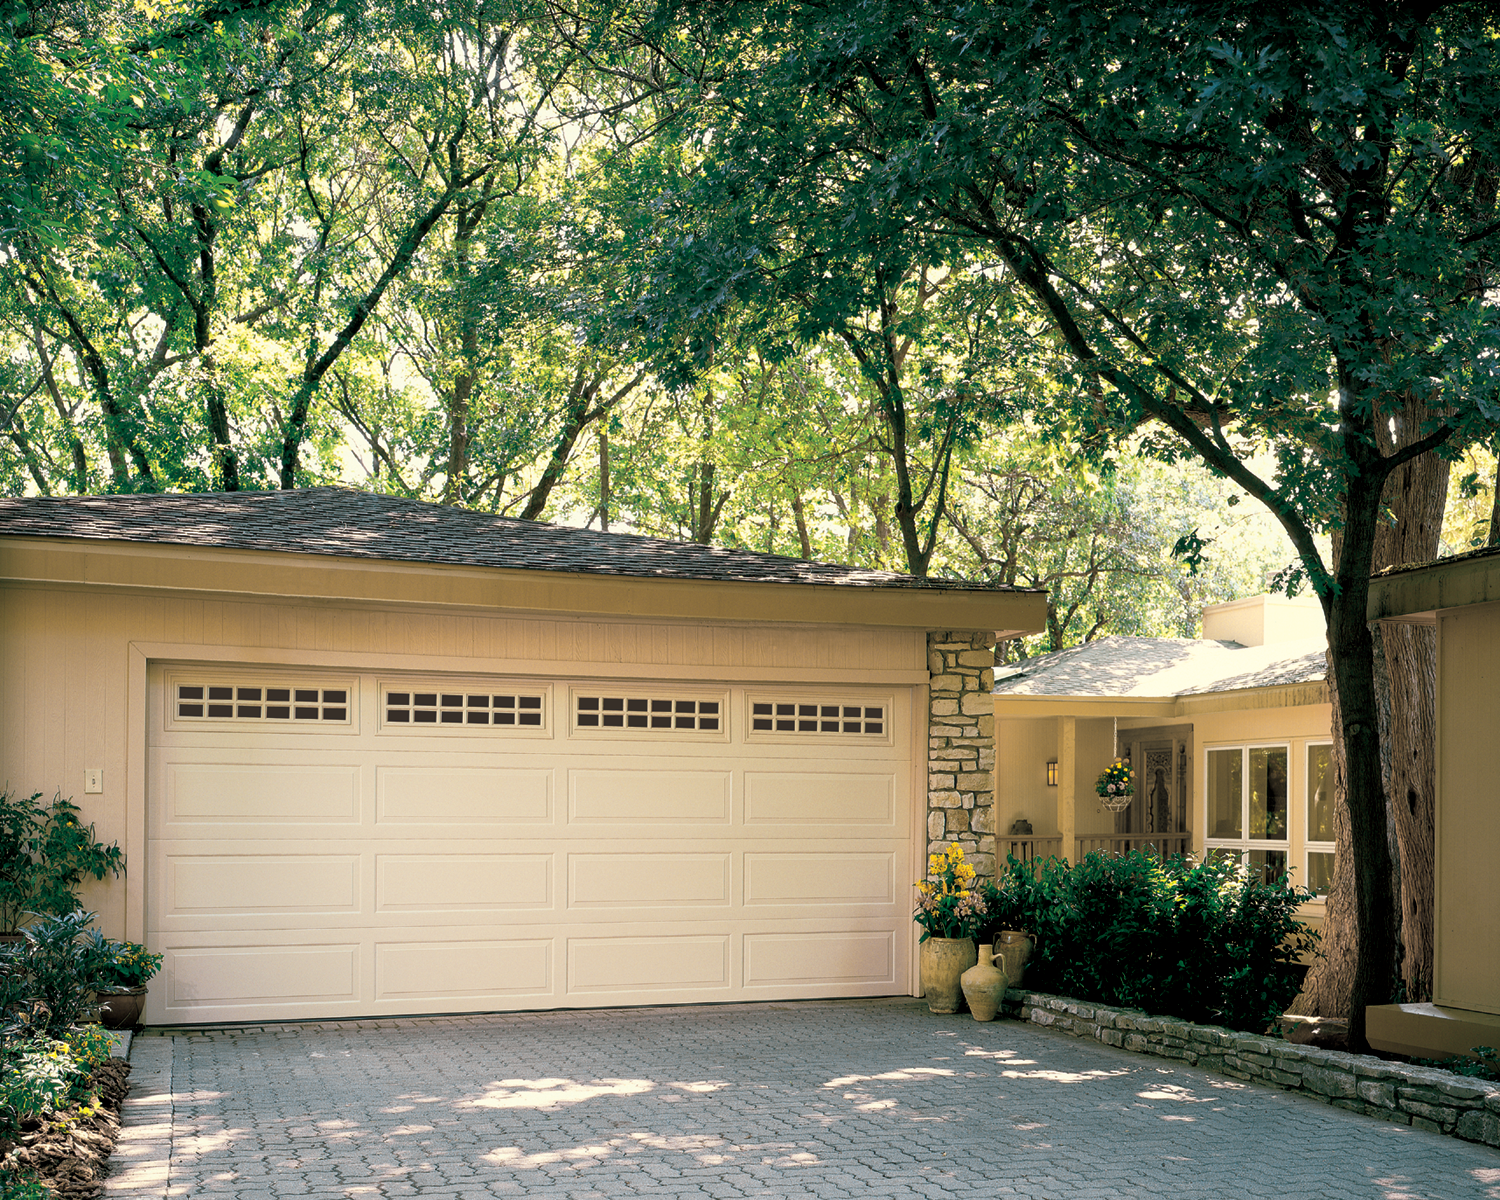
(345, 523)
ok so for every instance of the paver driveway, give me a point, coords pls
(821, 1099)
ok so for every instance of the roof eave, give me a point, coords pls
(79, 562)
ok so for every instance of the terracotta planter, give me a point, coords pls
(944, 960)
(1013, 948)
(121, 1008)
(984, 986)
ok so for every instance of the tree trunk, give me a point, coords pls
(603, 480)
(1415, 496)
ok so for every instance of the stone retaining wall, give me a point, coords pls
(1419, 1096)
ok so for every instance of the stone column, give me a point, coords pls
(961, 745)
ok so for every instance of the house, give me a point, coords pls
(1460, 598)
(372, 756)
(1228, 735)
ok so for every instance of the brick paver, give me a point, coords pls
(817, 1100)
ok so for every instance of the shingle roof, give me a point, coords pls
(345, 523)
(1138, 666)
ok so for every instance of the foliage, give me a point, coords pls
(1117, 779)
(949, 903)
(1485, 1064)
(41, 1076)
(45, 852)
(122, 964)
(22, 1185)
(1207, 942)
(55, 968)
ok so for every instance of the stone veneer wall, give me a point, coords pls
(961, 745)
(1422, 1097)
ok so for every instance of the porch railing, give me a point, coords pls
(1163, 845)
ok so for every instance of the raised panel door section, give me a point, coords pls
(247, 977)
(820, 878)
(463, 970)
(647, 880)
(648, 964)
(632, 796)
(455, 882)
(820, 960)
(244, 793)
(249, 884)
(462, 795)
(814, 798)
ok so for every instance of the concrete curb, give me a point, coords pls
(141, 1163)
(1423, 1097)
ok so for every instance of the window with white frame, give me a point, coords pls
(1248, 806)
(1319, 846)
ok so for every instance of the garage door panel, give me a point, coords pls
(632, 965)
(622, 881)
(443, 882)
(275, 976)
(626, 794)
(804, 798)
(240, 793)
(824, 878)
(492, 795)
(819, 960)
(464, 970)
(258, 884)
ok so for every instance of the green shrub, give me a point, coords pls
(16, 1184)
(50, 975)
(1204, 942)
(45, 852)
(40, 1077)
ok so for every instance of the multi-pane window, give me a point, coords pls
(647, 713)
(259, 702)
(1319, 874)
(467, 708)
(777, 716)
(1248, 808)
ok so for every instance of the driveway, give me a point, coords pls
(859, 1098)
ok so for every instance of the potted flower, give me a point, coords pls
(124, 970)
(952, 912)
(1116, 785)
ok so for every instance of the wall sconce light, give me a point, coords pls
(1052, 772)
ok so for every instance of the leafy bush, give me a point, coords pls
(50, 975)
(45, 851)
(16, 1184)
(1205, 942)
(40, 1076)
(123, 964)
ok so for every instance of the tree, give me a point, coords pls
(1239, 228)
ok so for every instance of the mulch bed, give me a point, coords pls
(73, 1157)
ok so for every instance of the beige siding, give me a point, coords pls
(72, 673)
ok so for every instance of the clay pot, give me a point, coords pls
(121, 1008)
(984, 986)
(944, 960)
(1013, 948)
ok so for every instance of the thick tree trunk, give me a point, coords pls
(1415, 496)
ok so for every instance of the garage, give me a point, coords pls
(373, 757)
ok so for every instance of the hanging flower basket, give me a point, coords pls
(1116, 786)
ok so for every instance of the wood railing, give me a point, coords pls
(1028, 849)
(1163, 845)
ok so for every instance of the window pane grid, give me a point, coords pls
(645, 714)
(464, 709)
(815, 717)
(235, 702)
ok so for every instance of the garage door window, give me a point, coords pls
(645, 714)
(467, 708)
(811, 717)
(259, 703)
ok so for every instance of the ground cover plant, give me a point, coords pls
(1204, 941)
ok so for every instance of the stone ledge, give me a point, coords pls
(1419, 1096)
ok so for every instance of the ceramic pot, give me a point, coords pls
(944, 960)
(1013, 948)
(121, 1008)
(984, 986)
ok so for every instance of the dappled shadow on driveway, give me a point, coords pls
(812, 1099)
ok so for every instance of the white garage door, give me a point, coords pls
(337, 844)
